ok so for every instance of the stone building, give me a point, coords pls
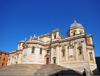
(76, 51)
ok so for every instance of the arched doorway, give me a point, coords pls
(54, 60)
(47, 60)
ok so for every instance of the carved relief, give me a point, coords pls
(25, 45)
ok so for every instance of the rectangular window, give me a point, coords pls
(91, 56)
(0, 58)
(63, 53)
(0, 53)
(33, 50)
(2, 64)
(5, 55)
(80, 51)
(40, 50)
(4, 59)
(47, 51)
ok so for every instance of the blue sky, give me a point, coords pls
(24, 18)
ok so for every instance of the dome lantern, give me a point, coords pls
(74, 21)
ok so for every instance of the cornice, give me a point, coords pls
(56, 30)
(79, 47)
(75, 42)
(60, 35)
(89, 35)
(4, 52)
(72, 28)
(90, 45)
(21, 42)
(72, 38)
(89, 48)
(57, 41)
(15, 51)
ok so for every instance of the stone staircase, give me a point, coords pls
(19, 69)
(36, 69)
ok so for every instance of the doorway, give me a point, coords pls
(47, 61)
(54, 61)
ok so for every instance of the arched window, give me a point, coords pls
(54, 36)
(73, 33)
(79, 43)
(63, 46)
(33, 49)
(40, 50)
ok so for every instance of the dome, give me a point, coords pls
(75, 24)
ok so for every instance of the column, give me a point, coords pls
(57, 52)
(66, 51)
(51, 55)
(76, 53)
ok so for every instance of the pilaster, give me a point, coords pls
(60, 53)
(37, 52)
(76, 53)
(84, 50)
(57, 34)
(93, 56)
(19, 58)
(57, 52)
(66, 51)
(51, 55)
(52, 36)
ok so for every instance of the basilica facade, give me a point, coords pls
(75, 51)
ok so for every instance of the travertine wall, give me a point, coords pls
(56, 46)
